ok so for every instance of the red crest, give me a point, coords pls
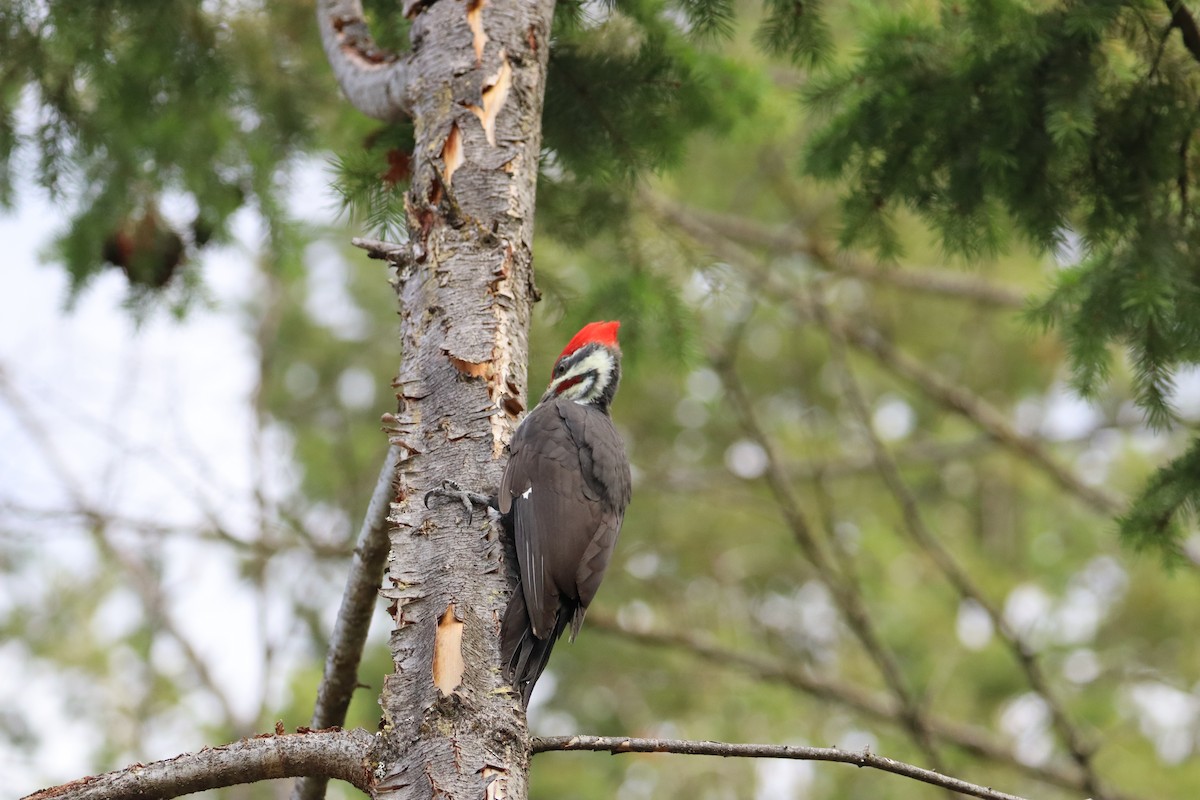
(604, 333)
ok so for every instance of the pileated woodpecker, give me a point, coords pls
(563, 496)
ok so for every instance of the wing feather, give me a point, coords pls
(564, 492)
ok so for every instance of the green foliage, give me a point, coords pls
(389, 29)
(624, 94)
(797, 30)
(1142, 293)
(709, 18)
(1052, 119)
(1154, 519)
(623, 98)
(613, 127)
(140, 102)
(579, 211)
(993, 123)
(372, 178)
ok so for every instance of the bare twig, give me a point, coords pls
(863, 758)
(931, 545)
(882, 707)
(330, 754)
(354, 616)
(844, 593)
(965, 402)
(385, 251)
(708, 228)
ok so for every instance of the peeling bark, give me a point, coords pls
(448, 667)
(475, 21)
(492, 98)
(450, 730)
(452, 154)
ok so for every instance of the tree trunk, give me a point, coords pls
(477, 77)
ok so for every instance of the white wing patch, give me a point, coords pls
(525, 494)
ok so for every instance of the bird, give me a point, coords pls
(563, 497)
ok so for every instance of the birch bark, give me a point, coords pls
(474, 87)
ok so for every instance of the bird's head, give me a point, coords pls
(589, 368)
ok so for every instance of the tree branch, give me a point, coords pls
(374, 80)
(707, 227)
(330, 754)
(931, 545)
(617, 745)
(354, 616)
(1182, 19)
(842, 588)
(385, 251)
(970, 738)
(961, 400)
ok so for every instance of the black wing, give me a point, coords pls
(566, 487)
(564, 493)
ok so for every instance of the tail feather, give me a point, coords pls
(523, 655)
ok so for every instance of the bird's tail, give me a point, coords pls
(523, 655)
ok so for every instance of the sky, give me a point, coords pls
(147, 420)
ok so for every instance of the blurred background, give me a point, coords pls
(870, 510)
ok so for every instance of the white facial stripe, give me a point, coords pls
(598, 361)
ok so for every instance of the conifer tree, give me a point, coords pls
(1070, 126)
(996, 124)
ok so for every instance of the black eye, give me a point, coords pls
(559, 369)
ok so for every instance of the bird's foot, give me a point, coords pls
(452, 491)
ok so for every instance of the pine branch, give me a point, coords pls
(375, 81)
(328, 754)
(354, 616)
(865, 758)
(1152, 518)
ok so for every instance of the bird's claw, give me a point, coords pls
(453, 491)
